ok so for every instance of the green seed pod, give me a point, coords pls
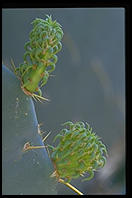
(77, 153)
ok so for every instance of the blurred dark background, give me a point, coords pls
(88, 83)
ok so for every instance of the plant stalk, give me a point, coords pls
(70, 186)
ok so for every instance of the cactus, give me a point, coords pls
(79, 151)
(25, 173)
(26, 170)
(40, 56)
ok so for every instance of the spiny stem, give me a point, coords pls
(70, 186)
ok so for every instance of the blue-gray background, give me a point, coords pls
(88, 83)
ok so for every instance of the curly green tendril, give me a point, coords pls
(40, 56)
(79, 151)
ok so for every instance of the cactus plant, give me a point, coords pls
(79, 151)
(40, 56)
(25, 173)
(25, 169)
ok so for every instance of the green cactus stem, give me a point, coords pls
(23, 173)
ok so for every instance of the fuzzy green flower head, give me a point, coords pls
(79, 151)
(44, 41)
(40, 57)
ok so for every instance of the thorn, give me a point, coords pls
(53, 174)
(27, 146)
(40, 97)
(46, 137)
(39, 130)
